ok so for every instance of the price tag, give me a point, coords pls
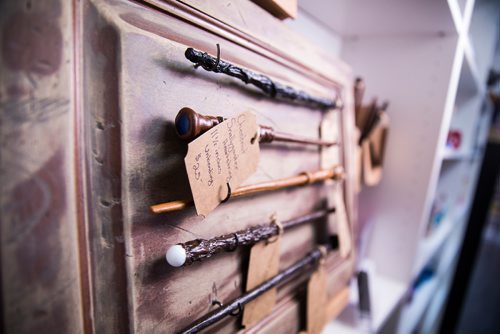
(221, 159)
(343, 229)
(316, 300)
(263, 265)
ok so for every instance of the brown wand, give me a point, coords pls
(189, 125)
(336, 173)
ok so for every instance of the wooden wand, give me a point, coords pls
(235, 307)
(201, 249)
(189, 125)
(336, 173)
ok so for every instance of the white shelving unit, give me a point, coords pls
(385, 296)
(430, 60)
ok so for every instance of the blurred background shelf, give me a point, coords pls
(386, 294)
(430, 60)
(431, 244)
(449, 154)
(419, 302)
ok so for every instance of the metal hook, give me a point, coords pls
(254, 138)
(218, 303)
(236, 244)
(272, 241)
(228, 193)
(280, 231)
(216, 66)
(239, 311)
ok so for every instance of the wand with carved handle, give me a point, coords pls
(299, 271)
(336, 173)
(264, 83)
(201, 249)
(190, 124)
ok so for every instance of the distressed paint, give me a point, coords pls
(32, 42)
(105, 124)
(102, 155)
(39, 248)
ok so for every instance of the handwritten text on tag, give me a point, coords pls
(225, 155)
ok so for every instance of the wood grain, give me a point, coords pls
(152, 89)
(87, 134)
(40, 276)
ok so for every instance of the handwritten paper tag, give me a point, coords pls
(263, 265)
(343, 229)
(226, 154)
(316, 300)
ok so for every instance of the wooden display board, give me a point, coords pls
(124, 78)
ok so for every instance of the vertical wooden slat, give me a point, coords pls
(102, 158)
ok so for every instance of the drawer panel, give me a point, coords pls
(135, 80)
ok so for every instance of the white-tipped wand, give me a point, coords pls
(176, 256)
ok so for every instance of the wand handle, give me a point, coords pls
(190, 125)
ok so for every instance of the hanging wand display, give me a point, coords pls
(269, 86)
(294, 271)
(201, 249)
(189, 125)
(336, 173)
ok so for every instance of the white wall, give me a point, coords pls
(316, 32)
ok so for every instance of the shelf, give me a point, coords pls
(430, 245)
(471, 63)
(386, 294)
(449, 154)
(461, 11)
(435, 307)
(448, 258)
(444, 47)
(461, 4)
(450, 252)
(414, 311)
(483, 32)
(456, 9)
(469, 84)
(445, 273)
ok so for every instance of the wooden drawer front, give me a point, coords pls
(135, 80)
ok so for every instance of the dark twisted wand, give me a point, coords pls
(267, 85)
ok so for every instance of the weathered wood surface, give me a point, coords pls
(112, 151)
(41, 291)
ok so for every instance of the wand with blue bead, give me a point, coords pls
(190, 124)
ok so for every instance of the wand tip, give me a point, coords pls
(176, 256)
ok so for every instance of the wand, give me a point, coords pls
(336, 173)
(267, 85)
(189, 125)
(304, 265)
(201, 249)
